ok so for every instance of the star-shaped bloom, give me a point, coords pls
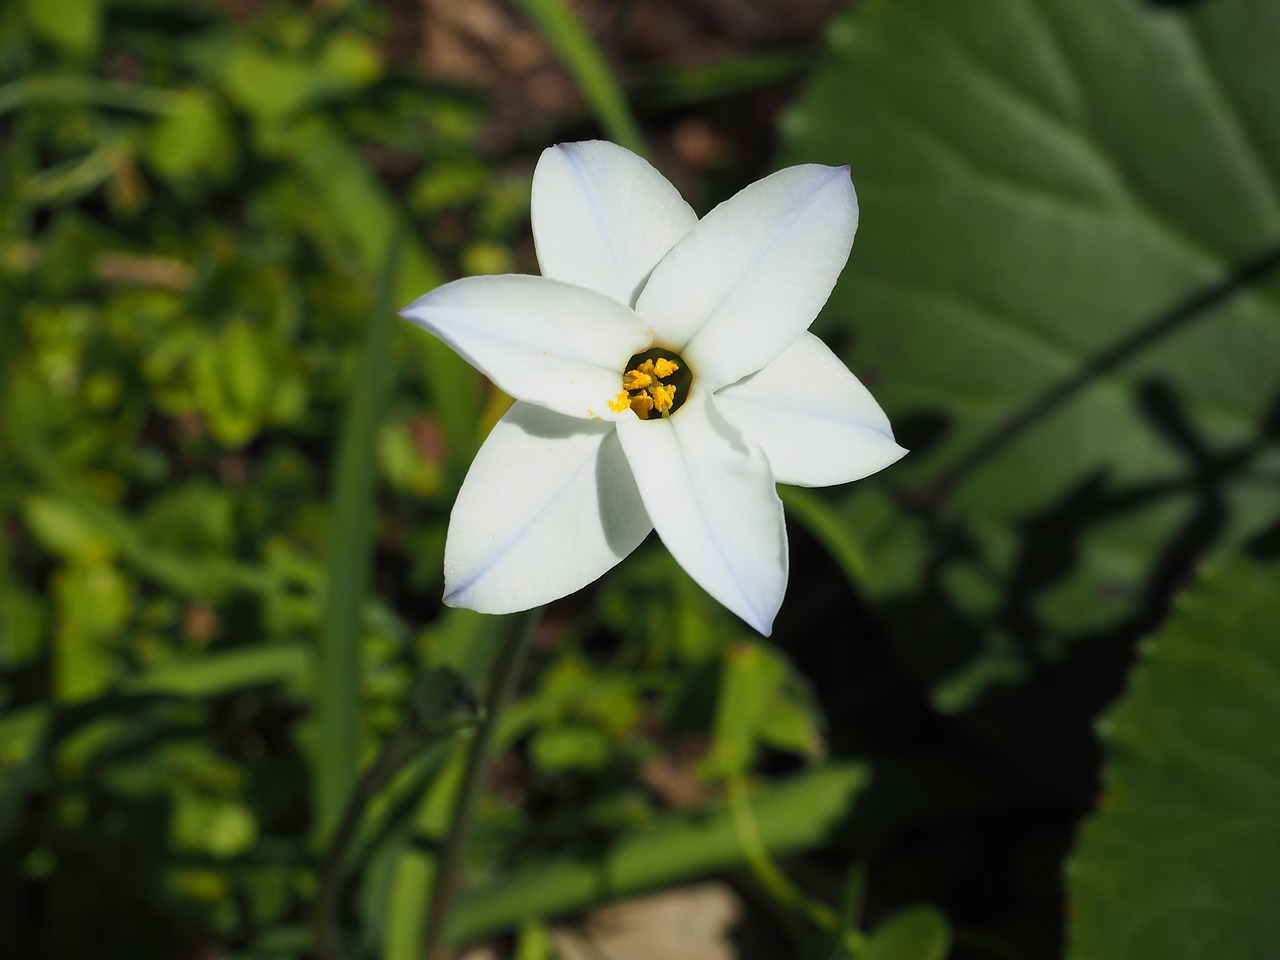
(664, 377)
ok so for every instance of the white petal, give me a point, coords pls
(543, 341)
(817, 423)
(754, 273)
(603, 217)
(711, 496)
(548, 506)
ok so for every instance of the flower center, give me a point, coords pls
(655, 384)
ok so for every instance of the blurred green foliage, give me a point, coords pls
(197, 206)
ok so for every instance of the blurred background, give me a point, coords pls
(226, 471)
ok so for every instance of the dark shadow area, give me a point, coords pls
(976, 808)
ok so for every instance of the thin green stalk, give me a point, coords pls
(771, 878)
(88, 90)
(839, 946)
(753, 849)
(439, 705)
(394, 755)
(348, 560)
(469, 643)
(502, 686)
(663, 84)
(582, 58)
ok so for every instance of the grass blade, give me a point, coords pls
(369, 216)
(348, 561)
(580, 55)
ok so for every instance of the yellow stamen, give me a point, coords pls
(642, 390)
(664, 397)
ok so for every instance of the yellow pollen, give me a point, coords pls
(642, 391)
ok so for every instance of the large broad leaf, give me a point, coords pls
(1064, 293)
(1182, 861)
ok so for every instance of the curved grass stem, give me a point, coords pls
(773, 880)
(582, 58)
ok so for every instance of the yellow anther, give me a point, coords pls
(643, 390)
(636, 380)
(664, 397)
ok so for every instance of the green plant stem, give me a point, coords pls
(582, 58)
(846, 940)
(400, 747)
(771, 878)
(753, 850)
(439, 704)
(70, 89)
(502, 685)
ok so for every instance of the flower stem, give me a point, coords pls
(439, 705)
(502, 685)
(390, 761)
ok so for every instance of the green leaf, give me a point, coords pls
(207, 676)
(267, 85)
(214, 825)
(71, 25)
(404, 461)
(1181, 859)
(534, 942)
(22, 627)
(573, 747)
(195, 137)
(920, 933)
(751, 680)
(351, 60)
(757, 703)
(228, 670)
(235, 382)
(1056, 198)
(94, 601)
(63, 529)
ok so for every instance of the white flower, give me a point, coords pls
(737, 395)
